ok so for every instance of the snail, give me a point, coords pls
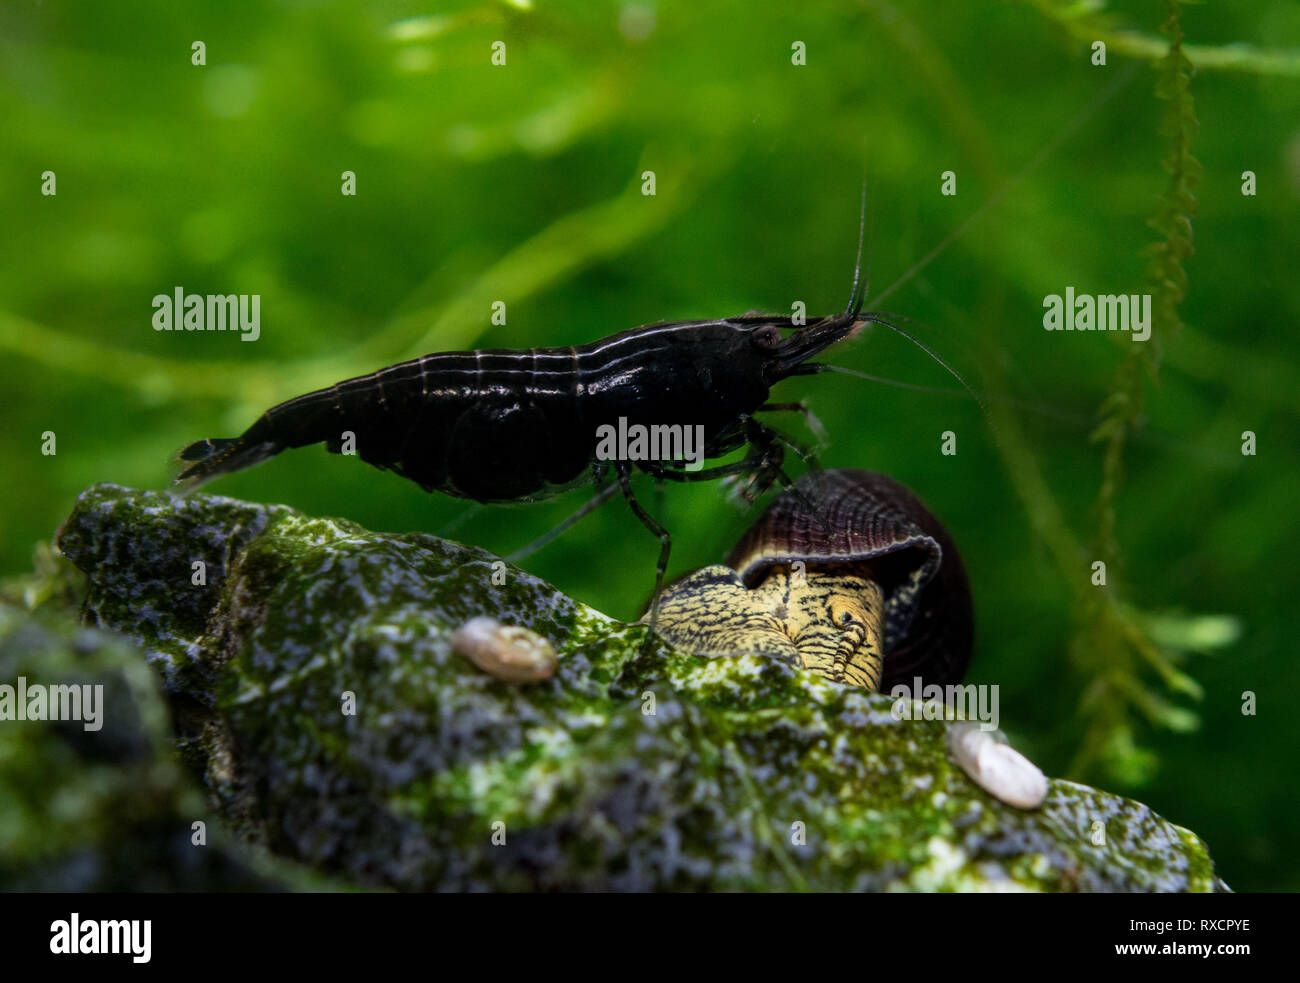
(846, 574)
(508, 652)
(997, 767)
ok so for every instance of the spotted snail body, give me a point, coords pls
(846, 574)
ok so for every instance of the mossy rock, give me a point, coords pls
(635, 767)
(102, 804)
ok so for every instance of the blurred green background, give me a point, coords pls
(522, 183)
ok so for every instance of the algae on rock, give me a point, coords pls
(316, 689)
(102, 804)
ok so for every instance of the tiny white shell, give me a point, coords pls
(998, 768)
(508, 652)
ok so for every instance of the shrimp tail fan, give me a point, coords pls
(219, 455)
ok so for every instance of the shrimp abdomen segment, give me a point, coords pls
(490, 426)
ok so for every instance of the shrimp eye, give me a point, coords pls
(768, 336)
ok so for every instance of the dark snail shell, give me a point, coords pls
(871, 518)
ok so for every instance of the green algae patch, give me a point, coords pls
(102, 803)
(322, 702)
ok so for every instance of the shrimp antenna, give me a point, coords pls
(859, 292)
(879, 319)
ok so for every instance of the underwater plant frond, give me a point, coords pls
(1113, 645)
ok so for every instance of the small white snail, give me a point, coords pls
(998, 768)
(508, 652)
